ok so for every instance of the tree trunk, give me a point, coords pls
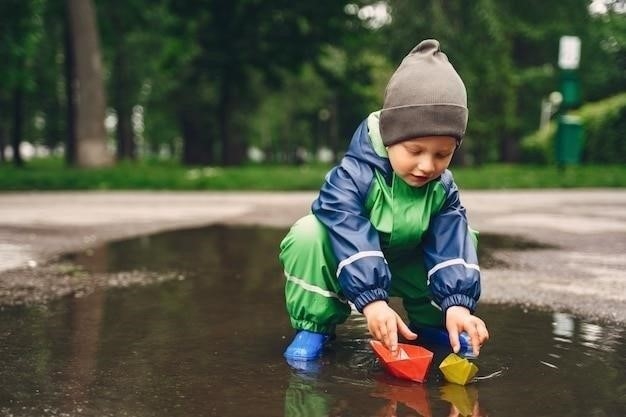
(333, 131)
(88, 88)
(509, 149)
(3, 136)
(18, 125)
(233, 149)
(196, 144)
(70, 125)
(223, 122)
(123, 106)
(4, 130)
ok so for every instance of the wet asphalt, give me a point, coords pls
(561, 250)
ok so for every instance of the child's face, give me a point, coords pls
(420, 160)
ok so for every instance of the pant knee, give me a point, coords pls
(306, 236)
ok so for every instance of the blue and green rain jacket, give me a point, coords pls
(370, 213)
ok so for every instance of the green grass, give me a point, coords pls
(51, 174)
(500, 176)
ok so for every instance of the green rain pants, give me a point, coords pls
(313, 297)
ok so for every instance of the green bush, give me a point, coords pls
(605, 130)
(538, 148)
(604, 123)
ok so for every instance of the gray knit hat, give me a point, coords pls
(424, 97)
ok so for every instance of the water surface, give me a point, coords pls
(211, 345)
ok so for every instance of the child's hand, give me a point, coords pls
(459, 319)
(383, 323)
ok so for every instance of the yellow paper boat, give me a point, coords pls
(458, 370)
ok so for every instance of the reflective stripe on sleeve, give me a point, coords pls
(451, 262)
(358, 256)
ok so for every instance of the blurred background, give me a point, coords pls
(231, 82)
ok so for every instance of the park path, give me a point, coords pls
(582, 267)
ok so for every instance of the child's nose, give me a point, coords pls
(426, 165)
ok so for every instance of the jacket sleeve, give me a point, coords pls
(450, 254)
(362, 270)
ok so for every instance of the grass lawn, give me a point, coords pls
(51, 174)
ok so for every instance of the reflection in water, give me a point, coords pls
(414, 397)
(86, 318)
(302, 399)
(211, 345)
(463, 399)
(305, 398)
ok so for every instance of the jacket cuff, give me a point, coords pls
(368, 297)
(459, 300)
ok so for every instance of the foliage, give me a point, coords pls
(21, 34)
(605, 130)
(604, 124)
(286, 119)
(603, 57)
(212, 77)
(235, 42)
(48, 126)
(22, 31)
(305, 113)
(538, 147)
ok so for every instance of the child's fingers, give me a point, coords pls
(382, 324)
(483, 333)
(381, 332)
(475, 339)
(453, 335)
(478, 334)
(472, 332)
(376, 332)
(391, 337)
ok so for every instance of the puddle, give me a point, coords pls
(211, 345)
(489, 244)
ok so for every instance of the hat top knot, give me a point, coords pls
(427, 47)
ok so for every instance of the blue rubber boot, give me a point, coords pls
(439, 336)
(306, 346)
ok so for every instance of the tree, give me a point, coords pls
(21, 21)
(603, 54)
(130, 34)
(320, 105)
(232, 40)
(89, 101)
(47, 100)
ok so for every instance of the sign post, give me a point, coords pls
(569, 59)
(569, 135)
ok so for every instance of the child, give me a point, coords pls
(388, 222)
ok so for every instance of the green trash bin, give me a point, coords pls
(570, 89)
(569, 139)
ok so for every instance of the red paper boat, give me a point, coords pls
(412, 362)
